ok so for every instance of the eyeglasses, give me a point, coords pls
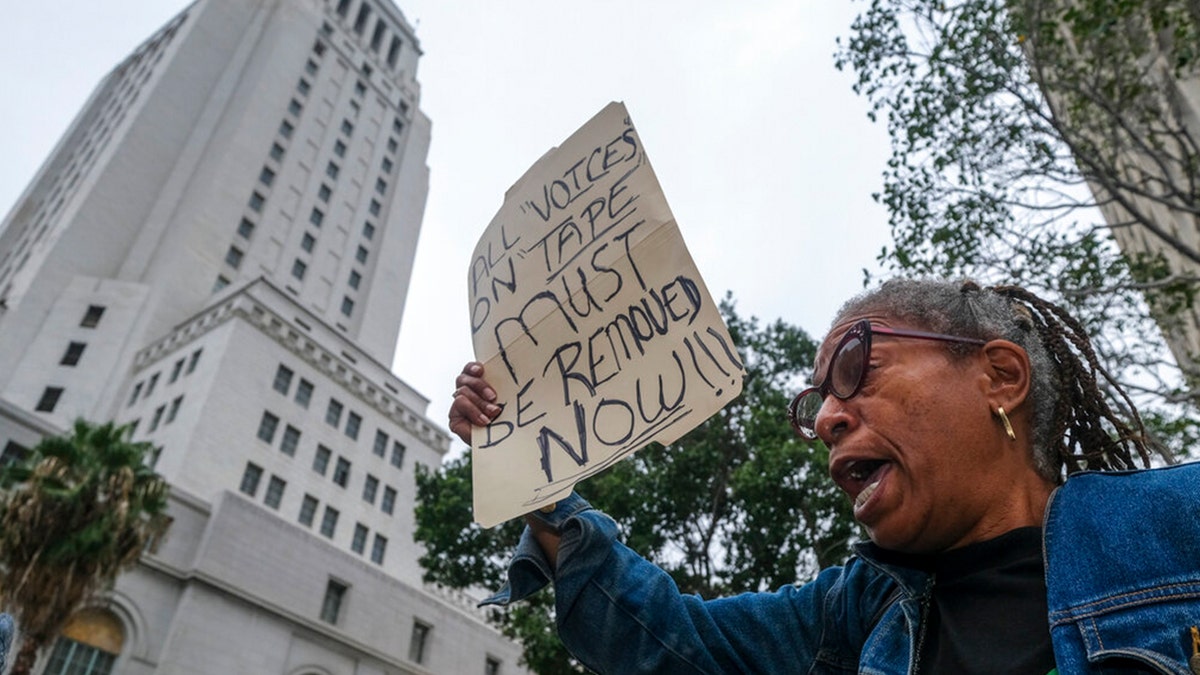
(848, 370)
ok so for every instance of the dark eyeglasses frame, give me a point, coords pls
(861, 331)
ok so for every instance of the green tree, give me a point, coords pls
(74, 513)
(738, 504)
(1010, 122)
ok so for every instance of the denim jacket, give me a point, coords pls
(1122, 554)
(6, 639)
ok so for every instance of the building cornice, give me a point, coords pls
(264, 306)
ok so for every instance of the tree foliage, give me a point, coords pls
(74, 513)
(1010, 122)
(738, 504)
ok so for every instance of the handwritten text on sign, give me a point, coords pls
(592, 322)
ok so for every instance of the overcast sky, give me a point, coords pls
(766, 156)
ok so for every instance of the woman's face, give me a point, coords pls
(917, 449)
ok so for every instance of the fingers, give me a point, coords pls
(470, 382)
(474, 402)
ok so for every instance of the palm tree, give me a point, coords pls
(78, 510)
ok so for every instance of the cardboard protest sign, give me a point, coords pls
(591, 320)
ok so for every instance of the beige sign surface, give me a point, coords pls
(591, 320)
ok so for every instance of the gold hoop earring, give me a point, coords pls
(1007, 425)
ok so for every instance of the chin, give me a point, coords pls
(896, 541)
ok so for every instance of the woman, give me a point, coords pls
(952, 415)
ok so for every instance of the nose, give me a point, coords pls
(834, 419)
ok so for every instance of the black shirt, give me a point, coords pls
(987, 610)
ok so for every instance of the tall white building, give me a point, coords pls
(218, 252)
(1181, 329)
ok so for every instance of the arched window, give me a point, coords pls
(89, 645)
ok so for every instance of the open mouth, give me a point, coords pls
(860, 478)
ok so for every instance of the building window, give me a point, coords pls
(332, 170)
(307, 242)
(381, 441)
(386, 165)
(316, 217)
(360, 21)
(175, 371)
(387, 503)
(304, 392)
(347, 127)
(266, 176)
(294, 107)
(333, 414)
(331, 606)
(174, 409)
(245, 228)
(375, 207)
(491, 666)
(308, 509)
(233, 257)
(286, 129)
(250, 478)
(368, 230)
(256, 202)
(76, 658)
(361, 255)
(220, 283)
(276, 152)
(355, 108)
(360, 89)
(392, 145)
(283, 379)
(416, 646)
(291, 440)
(377, 36)
(378, 549)
(397, 126)
(329, 521)
(343, 6)
(353, 424)
(158, 415)
(299, 267)
(15, 452)
(303, 87)
(393, 52)
(193, 361)
(73, 354)
(91, 318)
(355, 279)
(347, 306)
(398, 455)
(49, 399)
(381, 186)
(339, 149)
(311, 67)
(321, 459)
(370, 487)
(267, 426)
(341, 472)
(275, 490)
(324, 193)
(151, 384)
(359, 543)
(137, 390)
(319, 48)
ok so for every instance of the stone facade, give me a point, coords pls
(217, 252)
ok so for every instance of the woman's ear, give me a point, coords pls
(1008, 374)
